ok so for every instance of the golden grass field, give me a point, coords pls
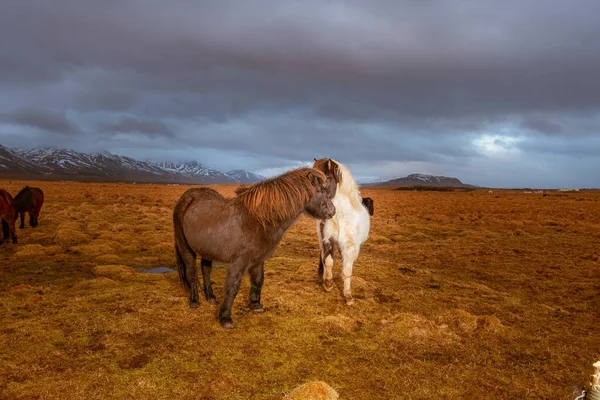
(466, 295)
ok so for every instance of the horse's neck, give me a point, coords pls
(353, 198)
(276, 232)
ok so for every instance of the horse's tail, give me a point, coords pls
(181, 245)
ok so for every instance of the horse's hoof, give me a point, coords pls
(327, 285)
(350, 301)
(257, 310)
(194, 305)
(212, 300)
(227, 325)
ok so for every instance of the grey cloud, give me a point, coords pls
(361, 81)
(576, 148)
(502, 60)
(543, 125)
(44, 119)
(135, 125)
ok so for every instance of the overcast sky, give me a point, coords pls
(495, 93)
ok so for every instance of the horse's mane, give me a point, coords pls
(278, 199)
(347, 186)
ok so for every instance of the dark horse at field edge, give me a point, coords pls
(8, 216)
(29, 200)
(242, 231)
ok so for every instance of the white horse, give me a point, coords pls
(349, 227)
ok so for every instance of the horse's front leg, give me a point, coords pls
(31, 219)
(235, 272)
(22, 217)
(327, 261)
(349, 255)
(257, 277)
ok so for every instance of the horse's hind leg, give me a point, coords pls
(34, 218)
(192, 276)
(31, 219)
(22, 217)
(349, 255)
(188, 272)
(206, 270)
(257, 277)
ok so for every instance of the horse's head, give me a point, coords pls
(320, 205)
(331, 171)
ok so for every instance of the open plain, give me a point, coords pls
(472, 295)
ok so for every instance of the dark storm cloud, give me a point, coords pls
(432, 58)
(365, 81)
(43, 119)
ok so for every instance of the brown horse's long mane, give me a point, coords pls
(278, 199)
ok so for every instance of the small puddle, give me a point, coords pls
(157, 270)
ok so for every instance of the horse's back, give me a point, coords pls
(194, 196)
(38, 195)
(209, 223)
(29, 198)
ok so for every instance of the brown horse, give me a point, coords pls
(7, 215)
(29, 200)
(242, 231)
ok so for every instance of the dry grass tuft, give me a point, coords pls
(114, 271)
(462, 322)
(316, 390)
(380, 239)
(163, 248)
(408, 327)
(30, 250)
(38, 236)
(337, 324)
(100, 282)
(70, 237)
(94, 249)
(70, 225)
(108, 259)
(25, 288)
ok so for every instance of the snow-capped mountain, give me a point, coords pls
(243, 176)
(66, 162)
(193, 169)
(51, 163)
(421, 180)
(12, 161)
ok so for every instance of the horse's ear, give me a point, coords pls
(315, 159)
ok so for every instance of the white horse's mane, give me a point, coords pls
(348, 186)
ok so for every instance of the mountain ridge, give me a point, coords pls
(422, 180)
(49, 163)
